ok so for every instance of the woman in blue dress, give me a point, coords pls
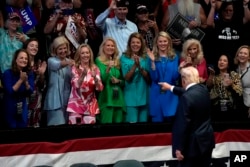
(164, 64)
(18, 83)
(135, 70)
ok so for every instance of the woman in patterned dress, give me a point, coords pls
(82, 105)
(225, 89)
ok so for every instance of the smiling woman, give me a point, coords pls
(242, 60)
(18, 84)
(135, 70)
(82, 106)
(38, 67)
(225, 90)
(111, 99)
(10, 40)
(58, 90)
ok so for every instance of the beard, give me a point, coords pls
(186, 7)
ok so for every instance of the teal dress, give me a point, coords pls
(135, 91)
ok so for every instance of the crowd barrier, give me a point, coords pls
(153, 149)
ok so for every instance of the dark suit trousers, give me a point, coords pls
(203, 160)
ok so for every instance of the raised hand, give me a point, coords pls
(151, 55)
(41, 67)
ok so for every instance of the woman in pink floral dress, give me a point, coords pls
(82, 105)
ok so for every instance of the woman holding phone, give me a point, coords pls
(225, 90)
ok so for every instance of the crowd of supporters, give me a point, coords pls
(91, 61)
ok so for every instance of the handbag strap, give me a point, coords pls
(242, 75)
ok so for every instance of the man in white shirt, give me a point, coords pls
(118, 27)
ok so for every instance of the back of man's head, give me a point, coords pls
(189, 75)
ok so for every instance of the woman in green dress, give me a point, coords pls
(111, 99)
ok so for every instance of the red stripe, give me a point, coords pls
(160, 139)
(86, 144)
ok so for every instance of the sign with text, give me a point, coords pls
(28, 18)
(178, 29)
(239, 158)
(71, 32)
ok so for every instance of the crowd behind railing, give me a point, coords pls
(87, 62)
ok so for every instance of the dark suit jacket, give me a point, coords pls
(192, 132)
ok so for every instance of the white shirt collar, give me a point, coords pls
(189, 85)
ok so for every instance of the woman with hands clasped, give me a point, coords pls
(135, 70)
(164, 68)
(82, 105)
(111, 99)
(59, 77)
(18, 83)
(225, 90)
(192, 55)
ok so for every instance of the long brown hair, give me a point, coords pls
(142, 51)
(14, 67)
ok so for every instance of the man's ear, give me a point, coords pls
(183, 82)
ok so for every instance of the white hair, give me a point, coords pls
(186, 7)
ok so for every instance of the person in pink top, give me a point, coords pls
(192, 55)
(82, 105)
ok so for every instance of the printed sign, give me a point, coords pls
(178, 29)
(27, 17)
(71, 32)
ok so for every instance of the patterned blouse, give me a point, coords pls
(219, 91)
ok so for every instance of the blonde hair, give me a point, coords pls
(142, 51)
(187, 44)
(190, 75)
(58, 41)
(170, 51)
(103, 58)
(77, 57)
(236, 61)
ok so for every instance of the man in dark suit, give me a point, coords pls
(192, 135)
